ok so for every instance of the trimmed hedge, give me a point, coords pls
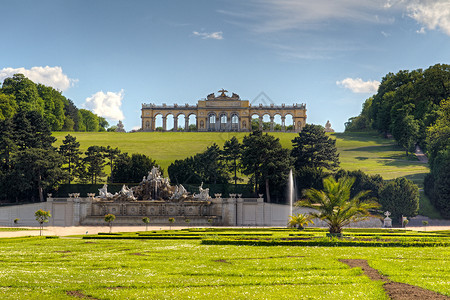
(129, 237)
(324, 243)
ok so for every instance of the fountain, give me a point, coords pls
(291, 191)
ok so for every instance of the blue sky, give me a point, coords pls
(112, 56)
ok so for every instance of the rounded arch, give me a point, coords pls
(211, 121)
(266, 121)
(255, 117)
(277, 122)
(158, 121)
(192, 122)
(181, 121)
(235, 120)
(170, 122)
(289, 124)
(223, 121)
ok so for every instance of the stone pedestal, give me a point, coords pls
(239, 211)
(260, 211)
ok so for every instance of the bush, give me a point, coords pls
(400, 197)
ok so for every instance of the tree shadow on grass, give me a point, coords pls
(371, 136)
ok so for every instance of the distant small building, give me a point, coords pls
(223, 113)
(328, 127)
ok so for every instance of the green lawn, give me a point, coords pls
(366, 151)
(37, 268)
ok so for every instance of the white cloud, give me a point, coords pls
(213, 35)
(433, 14)
(359, 86)
(107, 105)
(51, 76)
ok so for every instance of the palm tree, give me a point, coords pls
(300, 221)
(334, 206)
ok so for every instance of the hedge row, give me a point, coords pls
(130, 237)
(325, 242)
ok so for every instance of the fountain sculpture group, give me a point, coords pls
(156, 198)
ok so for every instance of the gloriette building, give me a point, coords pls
(222, 113)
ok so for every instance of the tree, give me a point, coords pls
(171, 221)
(405, 128)
(109, 218)
(203, 167)
(42, 217)
(95, 163)
(31, 131)
(70, 151)
(400, 197)
(7, 143)
(312, 148)
(334, 205)
(231, 153)
(300, 221)
(8, 106)
(39, 169)
(131, 169)
(267, 163)
(89, 120)
(25, 93)
(146, 221)
(363, 182)
(102, 124)
(110, 154)
(210, 167)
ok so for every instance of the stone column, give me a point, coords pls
(260, 211)
(152, 124)
(175, 123)
(229, 215)
(217, 206)
(260, 122)
(164, 121)
(186, 123)
(76, 209)
(239, 211)
(283, 126)
(217, 123)
(271, 123)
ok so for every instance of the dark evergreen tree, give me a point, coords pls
(131, 169)
(111, 154)
(31, 131)
(70, 151)
(312, 148)
(39, 169)
(267, 163)
(95, 163)
(231, 154)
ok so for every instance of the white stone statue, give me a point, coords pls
(127, 192)
(103, 192)
(204, 193)
(328, 127)
(179, 192)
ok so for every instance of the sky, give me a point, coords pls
(112, 56)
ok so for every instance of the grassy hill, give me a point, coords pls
(366, 151)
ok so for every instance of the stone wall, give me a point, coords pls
(75, 211)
